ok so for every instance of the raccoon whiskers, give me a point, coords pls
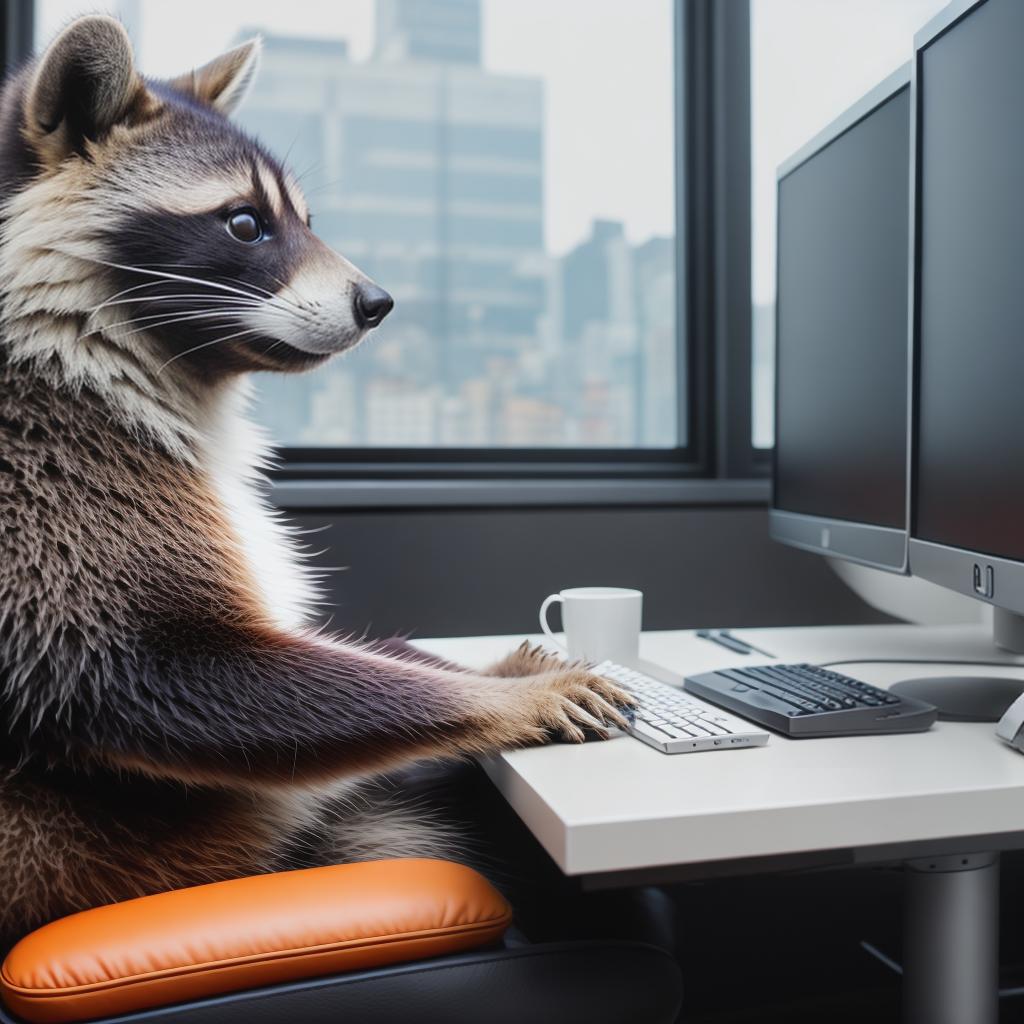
(217, 277)
(125, 291)
(205, 344)
(219, 309)
(117, 300)
(191, 296)
(245, 293)
(249, 284)
(218, 317)
(236, 280)
(153, 321)
(304, 302)
(171, 317)
(177, 277)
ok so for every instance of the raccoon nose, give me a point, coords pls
(371, 304)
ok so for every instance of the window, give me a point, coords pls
(484, 161)
(810, 60)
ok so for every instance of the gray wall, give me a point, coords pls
(441, 572)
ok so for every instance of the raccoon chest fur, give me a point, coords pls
(235, 453)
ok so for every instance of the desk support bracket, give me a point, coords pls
(951, 940)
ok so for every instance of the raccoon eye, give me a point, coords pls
(245, 225)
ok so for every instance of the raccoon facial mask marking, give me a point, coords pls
(241, 286)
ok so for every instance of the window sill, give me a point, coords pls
(300, 495)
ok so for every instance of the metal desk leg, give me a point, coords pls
(951, 940)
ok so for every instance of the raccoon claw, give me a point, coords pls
(575, 702)
(572, 733)
(615, 694)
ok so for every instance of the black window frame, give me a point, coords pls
(17, 27)
(713, 300)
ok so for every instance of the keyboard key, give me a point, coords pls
(673, 721)
(713, 728)
(644, 731)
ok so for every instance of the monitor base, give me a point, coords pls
(1008, 630)
(964, 698)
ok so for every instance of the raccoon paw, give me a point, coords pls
(567, 702)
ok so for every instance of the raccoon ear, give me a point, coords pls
(83, 85)
(223, 83)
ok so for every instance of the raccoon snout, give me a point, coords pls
(370, 305)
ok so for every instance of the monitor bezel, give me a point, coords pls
(951, 567)
(880, 547)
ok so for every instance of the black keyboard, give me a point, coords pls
(804, 700)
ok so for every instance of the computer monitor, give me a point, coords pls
(967, 328)
(841, 335)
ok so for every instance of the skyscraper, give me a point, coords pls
(447, 31)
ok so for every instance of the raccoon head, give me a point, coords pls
(151, 225)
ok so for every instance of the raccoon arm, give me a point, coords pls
(290, 708)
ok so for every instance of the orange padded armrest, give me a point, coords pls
(212, 939)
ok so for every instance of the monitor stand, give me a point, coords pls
(974, 698)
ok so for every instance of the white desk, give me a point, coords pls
(619, 812)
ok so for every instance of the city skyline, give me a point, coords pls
(430, 167)
(439, 192)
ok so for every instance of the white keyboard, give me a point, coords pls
(676, 723)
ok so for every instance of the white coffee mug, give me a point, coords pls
(600, 623)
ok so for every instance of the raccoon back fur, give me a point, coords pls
(169, 717)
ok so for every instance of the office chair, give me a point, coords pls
(380, 942)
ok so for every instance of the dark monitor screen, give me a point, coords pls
(841, 385)
(969, 460)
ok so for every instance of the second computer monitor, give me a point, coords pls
(968, 509)
(841, 335)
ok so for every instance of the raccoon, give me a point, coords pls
(168, 713)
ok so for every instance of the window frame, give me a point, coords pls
(18, 31)
(713, 322)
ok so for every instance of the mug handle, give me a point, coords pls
(548, 602)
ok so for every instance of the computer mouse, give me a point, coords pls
(1010, 728)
